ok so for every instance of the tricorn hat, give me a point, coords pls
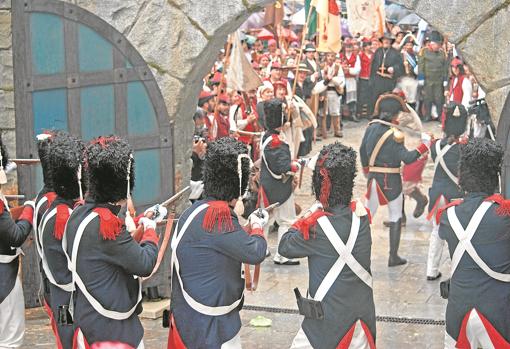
(110, 163)
(334, 173)
(274, 116)
(65, 160)
(389, 105)
(480, 165)
(387, 36)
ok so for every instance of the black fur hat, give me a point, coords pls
(480, 165)
(44, 142)
(334, 173)
(221, 177)
(5, 154)
(274, 116)
(65, 157)
(455, 125)
(107, 160)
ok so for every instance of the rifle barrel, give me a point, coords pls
(175, 197)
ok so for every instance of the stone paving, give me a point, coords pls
(399, 292)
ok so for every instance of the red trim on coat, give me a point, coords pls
(2, 207)
(27, 214)
(61, 219)
(174, 338)
(50, 196)
(444, 208)
(53, 325)
(435, 207)
(380, 194)
(496, 338)
(276, 141)
(353, 206)
(345, 343)
(149, 235)
(422, 148)
(257, 231)
(262, 198)
(75, 341)
(304, 224)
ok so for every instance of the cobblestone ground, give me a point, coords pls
(400, 292)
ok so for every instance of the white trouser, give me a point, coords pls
(394, 206)
(12, 318)
(284, 215)
(334, 103)
(234, 343)
(359, 339)
(435, 251)
(449, 342)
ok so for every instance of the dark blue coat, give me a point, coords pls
(392, 154)
(470, 286)
(210, 266)
(349, 298)
(442, 184)
(12, 235)
(279, 161)
(107, 268)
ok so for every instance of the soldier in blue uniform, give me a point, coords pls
(277, 172)
(208, 249)
(382, 151)
(445, 185)
(106, 263)
(65, 158)
(335, 236)
(12, 235)
(476, 230)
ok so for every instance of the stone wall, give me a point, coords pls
(478, 28)
(179, 40)
(7, 121)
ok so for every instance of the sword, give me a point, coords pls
(14, 197)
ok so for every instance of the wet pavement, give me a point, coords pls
(404, 299)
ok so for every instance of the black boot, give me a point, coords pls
(421, 202)
(404, 218)
(395, 231)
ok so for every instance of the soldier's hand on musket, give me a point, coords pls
(259, 218)
(157, 213)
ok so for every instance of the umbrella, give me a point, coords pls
(345, 27)
(396, 12)
(265, 35)
(298, 18)
(255, 21)
(410, 19)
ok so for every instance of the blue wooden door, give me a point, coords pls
(77, 73)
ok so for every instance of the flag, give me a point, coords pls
(312, 18)
(366, 17)
(330, 32)
(274, 14)
(240, 74)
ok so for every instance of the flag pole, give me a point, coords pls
(305, 33)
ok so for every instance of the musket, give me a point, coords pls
(252, 283)
(137, 234)
(26, 161)
(401, 128)
(15, 197)
(168, 228)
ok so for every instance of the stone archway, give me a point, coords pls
(178, 40)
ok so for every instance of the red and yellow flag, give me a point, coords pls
(330, 32)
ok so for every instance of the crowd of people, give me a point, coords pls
(249, 151)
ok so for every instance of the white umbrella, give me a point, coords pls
(298, 18)
(255, 21)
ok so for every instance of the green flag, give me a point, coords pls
(312, 22)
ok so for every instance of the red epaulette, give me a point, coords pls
(304, 224)
(504, 205)
(276, 141)
(50, 196)
(61, 219)
(445, 207)
(219, 217)
(110, 226)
